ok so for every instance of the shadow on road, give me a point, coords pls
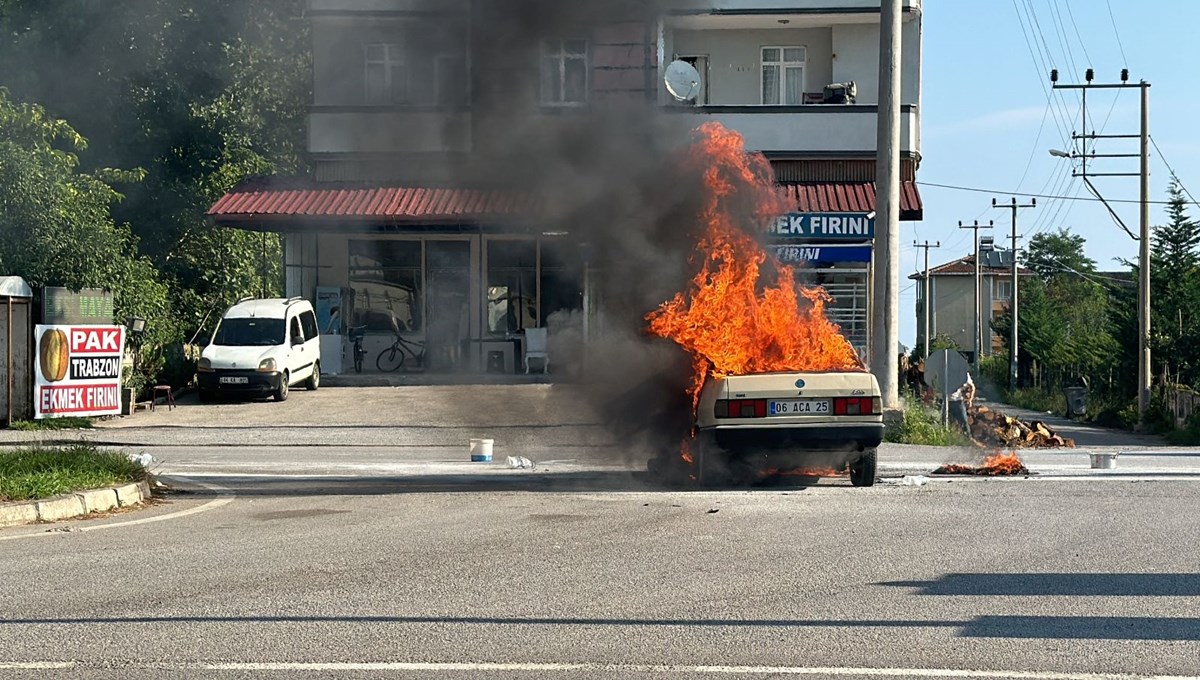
(1048, 584)
(559, 482)
(1021, 627)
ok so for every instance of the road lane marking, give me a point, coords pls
(483, 667)
(225, 498)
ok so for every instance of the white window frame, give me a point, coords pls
(393, 62)
(783, 65)
(561, 57)
(999, 285)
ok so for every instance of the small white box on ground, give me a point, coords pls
(481, 450)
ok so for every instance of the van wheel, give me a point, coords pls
(281, 394)
(314, 380)
(862, 471)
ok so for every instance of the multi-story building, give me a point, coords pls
(409, 221)
(952, 290)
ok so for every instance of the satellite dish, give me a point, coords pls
(683, 80)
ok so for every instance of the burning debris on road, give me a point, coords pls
(994, 429)
(1000, 464)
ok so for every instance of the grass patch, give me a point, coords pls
(37, 472)
(921, 425)
(70, 423)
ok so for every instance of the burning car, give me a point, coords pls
(789, 420)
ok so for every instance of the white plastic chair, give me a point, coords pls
(535, 348)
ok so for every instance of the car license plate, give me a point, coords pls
(795, 407)
(234, 380)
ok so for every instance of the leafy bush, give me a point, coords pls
(71, 423)
(921, 425)
(1036, 399)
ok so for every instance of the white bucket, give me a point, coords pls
(1104, 461)
(481, 450)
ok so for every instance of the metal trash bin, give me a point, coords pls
(1076, 401)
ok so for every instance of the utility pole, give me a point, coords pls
(1013, 347)
(885, 294)
(925, 282)
(978, 339)
(1143, 174)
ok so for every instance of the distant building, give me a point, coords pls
(952, 288)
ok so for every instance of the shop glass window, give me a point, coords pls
(385, 280)
(511, 286)
(562, 278)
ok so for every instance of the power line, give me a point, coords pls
(1077, 34)
(1124, 60)
(1172, 171)
(1041, 68)
(1022, 193)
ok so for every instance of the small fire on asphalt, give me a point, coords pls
(999, 464)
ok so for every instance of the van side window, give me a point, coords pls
(309, 321)
(296, 328)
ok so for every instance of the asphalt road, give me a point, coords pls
(394, 557)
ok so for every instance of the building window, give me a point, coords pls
(783, 76)
(1001, 290)
(385, 280)
(564, 72)
(387, 75)
(512, 303)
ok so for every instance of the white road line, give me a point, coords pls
(609, 669)
(36, 665)
(227, 496)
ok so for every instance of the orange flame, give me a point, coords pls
(728, 320)
(998, 464)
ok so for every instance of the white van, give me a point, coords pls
(262, 347)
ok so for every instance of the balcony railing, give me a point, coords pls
(816, 128)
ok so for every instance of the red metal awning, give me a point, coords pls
(259, 201)
(851, 197)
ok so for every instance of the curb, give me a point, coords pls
(71, 505)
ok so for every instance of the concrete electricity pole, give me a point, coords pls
(1143, 377)
(978, 339)
(885, 304)
(1013, 371)
(928, 305)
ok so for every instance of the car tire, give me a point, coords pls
(863, 471)
(281, 394)
(314, 380)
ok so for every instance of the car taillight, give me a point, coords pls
(857, 406)
(740, 408)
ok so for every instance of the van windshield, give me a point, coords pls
(244, 332)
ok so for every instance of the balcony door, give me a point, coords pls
(783, 75)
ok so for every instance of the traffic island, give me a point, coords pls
(50, 484)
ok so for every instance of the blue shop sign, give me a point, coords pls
(857, 226)
(809, 254)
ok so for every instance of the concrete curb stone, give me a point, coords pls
(75, 504)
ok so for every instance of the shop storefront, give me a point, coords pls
(832, 250)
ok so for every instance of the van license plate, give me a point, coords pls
(234, 380)
(793, 407)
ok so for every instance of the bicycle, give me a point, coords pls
(356, 334)
(392, 358)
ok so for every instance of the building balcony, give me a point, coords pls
(388, 130)
(813, 129)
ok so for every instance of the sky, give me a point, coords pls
(989, 119)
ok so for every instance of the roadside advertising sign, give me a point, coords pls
(78, 370)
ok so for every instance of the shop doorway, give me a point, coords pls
(448, 271)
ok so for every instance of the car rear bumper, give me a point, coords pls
(850, 437)
(255, 382)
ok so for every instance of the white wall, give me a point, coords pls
(813, 129)
(856, 57)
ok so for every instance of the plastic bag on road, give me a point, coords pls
(519, 462)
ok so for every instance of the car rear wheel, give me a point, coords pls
(314, 380)
(281, 394)
(862, 471)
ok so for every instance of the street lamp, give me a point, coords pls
(1059, 154)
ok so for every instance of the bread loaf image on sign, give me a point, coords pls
(54, 355)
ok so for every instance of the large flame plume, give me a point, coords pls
(728, 319)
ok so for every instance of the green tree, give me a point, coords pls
(198, 94)
(1175, 291)
(56, 227)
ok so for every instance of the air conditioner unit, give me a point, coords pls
(840, 93)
